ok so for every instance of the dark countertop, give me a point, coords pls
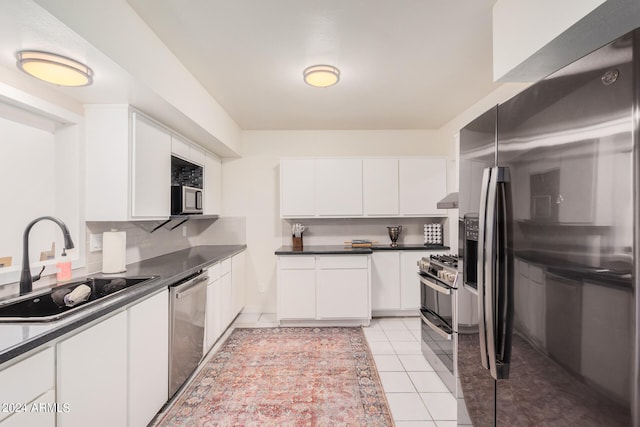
(348, 250)
(19, 338)
(578, 272)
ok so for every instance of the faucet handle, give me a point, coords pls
(37, 276)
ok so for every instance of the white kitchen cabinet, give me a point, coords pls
(128, 169)
(212, 185)
(180, 147)
(187, 150)
(92, 375)
(35, 414)
(238, 282)
(423, 182)
(148, 363)
(150, 170)
(380, 187)
(409, 282)
(297, 187)
(356, 187)
(296, 287)
(226, 292)
(385, 280)
(213, 324)
(343, 294)
(324, 287)
(29, 381)
(339, 187)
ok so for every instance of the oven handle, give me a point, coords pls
(436, 286)
(436, 328)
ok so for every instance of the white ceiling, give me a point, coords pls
(405, 64)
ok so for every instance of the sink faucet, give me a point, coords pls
(26, 281)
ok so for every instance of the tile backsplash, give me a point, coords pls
(336, 231)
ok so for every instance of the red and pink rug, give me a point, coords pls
(285, 377)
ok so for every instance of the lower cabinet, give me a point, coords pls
(27, 385)
(92, 375)
(238, 282)
(226, 293)
(394, 281)
(116, 372)
(324, 287)
(213, 324)
(148, 362)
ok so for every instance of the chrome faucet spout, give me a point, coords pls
(26, 281)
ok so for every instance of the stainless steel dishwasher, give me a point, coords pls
(187, 301)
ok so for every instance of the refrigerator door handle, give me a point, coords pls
(482, 255)
(493, 273)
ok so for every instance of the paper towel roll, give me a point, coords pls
(114, 250)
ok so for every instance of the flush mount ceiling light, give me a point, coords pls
(321, 75)
(54, 68)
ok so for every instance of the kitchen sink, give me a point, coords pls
(49, 305)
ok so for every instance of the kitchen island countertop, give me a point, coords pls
(19, 338)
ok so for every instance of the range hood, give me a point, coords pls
(449, 202)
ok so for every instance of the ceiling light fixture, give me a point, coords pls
(321, 75)
(54, 68)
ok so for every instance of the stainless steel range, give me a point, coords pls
(438, 295)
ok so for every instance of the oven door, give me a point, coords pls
(437, 332)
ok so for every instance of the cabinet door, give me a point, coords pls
(380, 186)
(385, 280)
(343, 294)
(45, 418)
(423, 182)
(92, 375)
(409, 282)
(339, 187)
(180, 147)
(197, 155)
(226, 300)
(213, 326)
(212, 185)
(24, 381)
(151, 170)
(297, 187)
(296, 294)
(148, 358)
(238, 282)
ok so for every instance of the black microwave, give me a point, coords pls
(186, 200)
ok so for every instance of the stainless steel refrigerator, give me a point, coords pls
(549, 229)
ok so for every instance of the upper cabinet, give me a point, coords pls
(128, 165)
(380, 187)
(298, 188)
(212, 185)
(423, 182)
(150, 169)
(187, 150)
(339, 187)
(369, 187)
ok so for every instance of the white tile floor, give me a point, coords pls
(416, 395)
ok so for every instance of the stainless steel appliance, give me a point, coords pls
(187, 317)
(186, 200)
(438, 281)
(556, 343)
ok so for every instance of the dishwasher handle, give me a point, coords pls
(187, 288)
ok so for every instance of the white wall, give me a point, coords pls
(251, 186)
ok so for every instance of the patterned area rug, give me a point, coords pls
(286, 377)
